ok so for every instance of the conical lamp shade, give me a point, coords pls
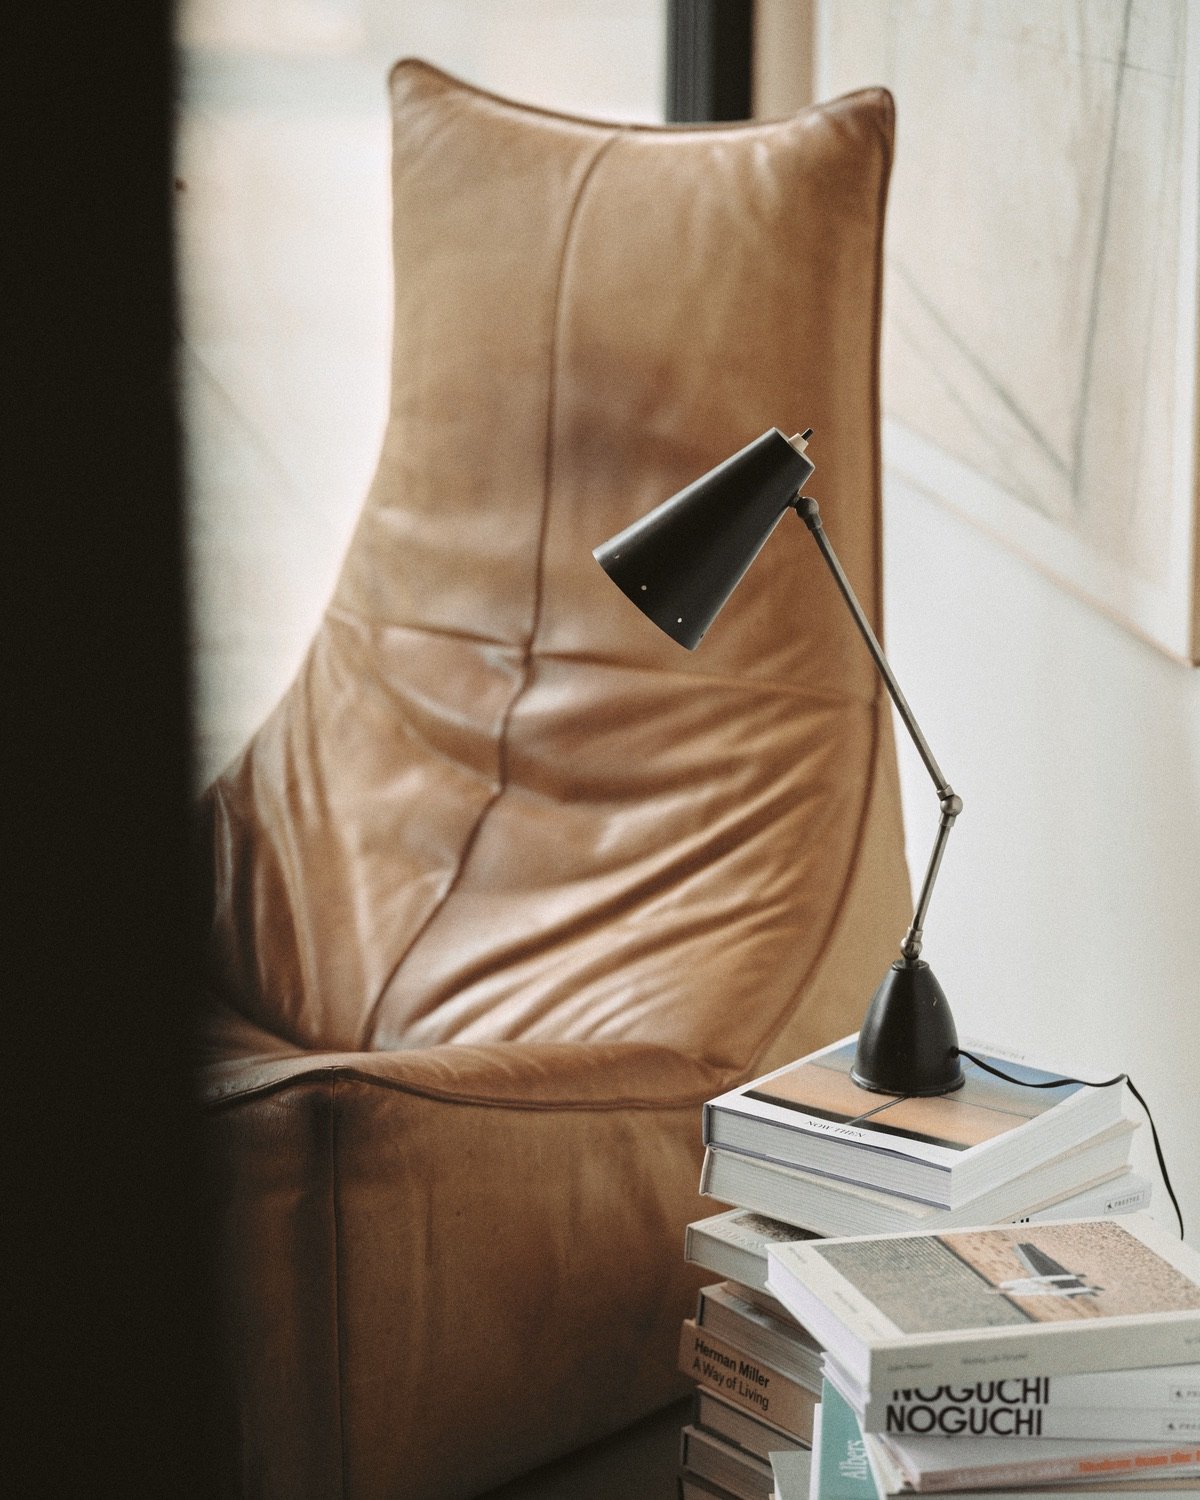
(681, 562)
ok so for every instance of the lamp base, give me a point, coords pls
(908, 1043)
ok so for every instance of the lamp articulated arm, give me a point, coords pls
(679, 564)
(951, 804)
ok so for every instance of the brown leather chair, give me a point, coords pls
(508, 884)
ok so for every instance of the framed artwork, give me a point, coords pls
(1041, 300)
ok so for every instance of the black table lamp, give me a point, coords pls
(679, 564)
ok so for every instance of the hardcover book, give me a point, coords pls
(738, 1427)
(852, 1446)
(943, 1150)
(1032, 1299)
(1164, 1400)
(840, 1468)
(766, 1333)
(734, 1244)
(750, 1384)
(1096, 1170)
(934, 1464)
(690, 1486)
(734, 1470)
(970, 1419)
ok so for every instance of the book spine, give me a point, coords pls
(1026, 1420)
(713, 1458)
(771, 1190)
(1159, 1464)
(818, 1448)
(841, 1467)
(1166, 1392)
(1056, 1349)
(749, 1384)
(1106, 1199)
(727, 1259)
(714, 1414)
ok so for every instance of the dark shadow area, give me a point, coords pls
(107, 1275)
(639, 1463)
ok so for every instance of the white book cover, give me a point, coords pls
(734, 1244)
(792, 1472)
(942, 1150)
(1048, 1298)
(814, 1469)
(1172, 1391)
(827, 1207)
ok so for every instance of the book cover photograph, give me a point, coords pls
(942, 1150)
(988, 1278)
(984, 1108)
(1048, 1298)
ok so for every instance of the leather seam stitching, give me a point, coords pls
(552, 397)
(745, 684)
(774, 687)
(885, 174)
(372, 1019)
(474, 1101)
(357, 624)
(823, 108)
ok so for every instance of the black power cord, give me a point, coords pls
(1107, 1083)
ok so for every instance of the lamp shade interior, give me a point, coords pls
(681, 561)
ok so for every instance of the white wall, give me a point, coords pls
(1066, 919)
(284, 237)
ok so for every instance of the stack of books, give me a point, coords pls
(758, 1381)
(805, 1155)
(1054, 1358)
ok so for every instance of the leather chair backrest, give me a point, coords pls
(497, 803)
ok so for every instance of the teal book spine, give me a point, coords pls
(843, 1472)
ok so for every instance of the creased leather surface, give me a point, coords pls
(504, 1075)
(509, 882)
(496, 803)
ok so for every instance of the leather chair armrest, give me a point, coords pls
(398, 1228)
